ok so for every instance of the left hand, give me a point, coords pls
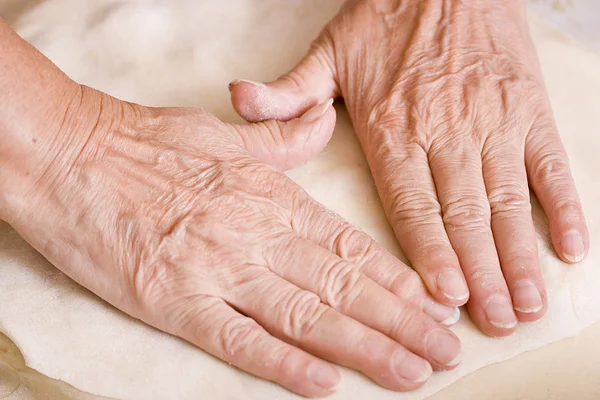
(449, 104)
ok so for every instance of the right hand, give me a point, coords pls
(170, 215)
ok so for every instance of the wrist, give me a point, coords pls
(33, 92)
(47, 122)
(39, 158)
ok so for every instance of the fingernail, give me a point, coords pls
(235, 82)
(440, 312)
(324, 375)
(452, 285)
(453, 319)
(499, 312)
(317, 111)
(526, 297)
(411, 367)
(443, 347)
(572, 246)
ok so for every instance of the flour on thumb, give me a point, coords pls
(310, 83)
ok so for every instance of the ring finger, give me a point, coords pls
(512, 225)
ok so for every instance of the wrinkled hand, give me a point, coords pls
(450, 107)
(169, 215)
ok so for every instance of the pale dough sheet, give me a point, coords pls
(578, 18)
(184, 53)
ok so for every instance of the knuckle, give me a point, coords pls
(352, 245)
(467, 211)
(521, 261)
(408, 284)
(237, 334)
(285, 361)
(413, 207)
(409, 323)
(550, 168)
(341, 285)
(568, 207)
(509, 199)
(484, 278)
(303, 310)
(369, 345)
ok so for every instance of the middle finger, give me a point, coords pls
(457, 171)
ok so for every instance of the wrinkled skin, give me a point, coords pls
(450, 107)
(186, 223)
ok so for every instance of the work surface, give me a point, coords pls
(185, 52)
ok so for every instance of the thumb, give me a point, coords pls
(311, 82)
(286, 145)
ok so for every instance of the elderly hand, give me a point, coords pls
(170, 215)
(449, 104)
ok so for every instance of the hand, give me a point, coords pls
(450, 108)
(169, 215)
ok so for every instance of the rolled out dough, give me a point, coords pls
(185, 52)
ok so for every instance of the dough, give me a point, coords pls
(19, 382)
(578, 18)
(185, 52)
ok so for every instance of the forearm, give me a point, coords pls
(41, 118)
(31, 88)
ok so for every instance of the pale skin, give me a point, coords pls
(188, 223)
(450, 107)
